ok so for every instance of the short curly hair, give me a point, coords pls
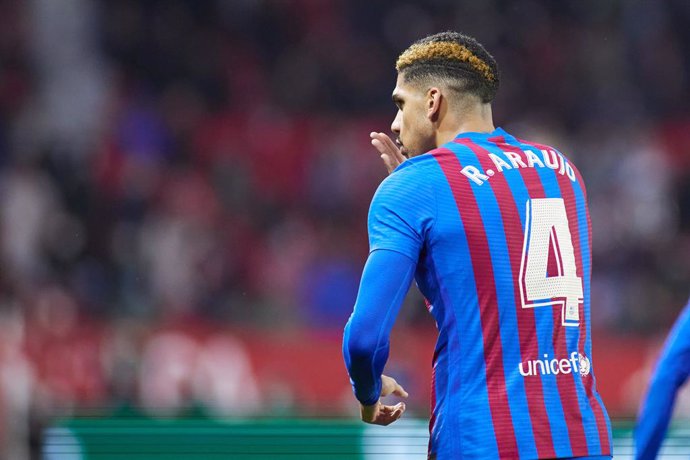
(454, 57)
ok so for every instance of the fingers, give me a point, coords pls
(380, 414)
(400, 391)
(389, 162)
(390, 386)
(389, 144)
(384, 144)
(384, 148)
(387, 385)
(389, 151)
(389, 414)
(379, 143)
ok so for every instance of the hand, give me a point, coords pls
(391, 154)
(380, 414)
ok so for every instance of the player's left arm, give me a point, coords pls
(390, 153)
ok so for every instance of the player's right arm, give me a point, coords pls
(672, 370)
(400, 215)
(386, 278)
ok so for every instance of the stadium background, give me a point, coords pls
(183, 194)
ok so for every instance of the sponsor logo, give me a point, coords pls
(576, 363)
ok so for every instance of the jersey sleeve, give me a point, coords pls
(385, 281)
(672, 370)
(402, 212)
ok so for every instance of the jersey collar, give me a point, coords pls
(474, 135)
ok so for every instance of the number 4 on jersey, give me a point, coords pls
(547, 237)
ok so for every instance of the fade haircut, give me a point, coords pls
(456, 59)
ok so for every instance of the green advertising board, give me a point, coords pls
(255, 439)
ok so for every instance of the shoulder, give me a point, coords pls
(411, 185)
(539, 147)
(428, 166)
(566, 162)
(414, 172)
(418, 164)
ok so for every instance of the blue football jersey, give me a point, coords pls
(671, 372)
(500, 231)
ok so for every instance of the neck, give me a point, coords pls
(474, 119)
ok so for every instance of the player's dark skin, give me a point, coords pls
(428, 116)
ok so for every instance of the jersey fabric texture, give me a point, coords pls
(385, 281)
(497, 230)
(672, 370)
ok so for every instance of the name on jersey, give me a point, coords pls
(528, 159)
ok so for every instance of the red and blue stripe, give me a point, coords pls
(546, 416)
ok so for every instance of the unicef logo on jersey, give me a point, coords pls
(553, 366)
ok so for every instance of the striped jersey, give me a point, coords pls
(500, 231)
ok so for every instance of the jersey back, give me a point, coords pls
(504, 259)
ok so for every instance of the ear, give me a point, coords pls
(433, 103)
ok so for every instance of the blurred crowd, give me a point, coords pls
(177, 160)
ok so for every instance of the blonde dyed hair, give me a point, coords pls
(444, 51)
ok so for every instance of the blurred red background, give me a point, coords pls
(184, 188)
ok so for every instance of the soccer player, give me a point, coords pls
(495, 231)
(672, 370)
